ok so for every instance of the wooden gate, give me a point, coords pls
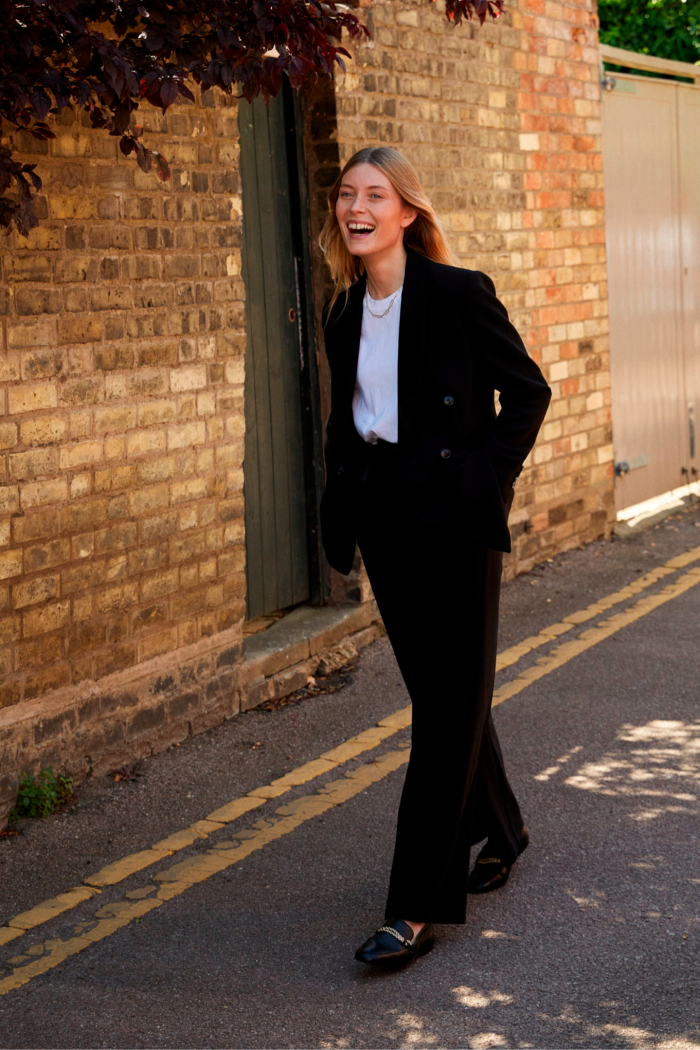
(651, 153)
(275, 469)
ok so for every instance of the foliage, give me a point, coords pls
(106, 57)
(665, 28)
(39, 796)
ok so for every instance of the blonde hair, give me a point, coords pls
(425, 235)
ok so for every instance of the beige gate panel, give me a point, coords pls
(640, 152)
(689, 151)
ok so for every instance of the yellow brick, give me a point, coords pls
(186, 435)
(145, 441)
(114, 447)
(43, 430)
(81, 452)
(159, 585)
(37, 493)
(44, 238)
(31, 396)
(151, 498)
(80, 424)
(233, 561)
(31, 334)
(47, 618)
(192, 378)
(188, 490)
(235, 533)
(188, 519)
(156, 412)
(117, 419)
(9, 499)
(82, 207)
(9, 368)
(230, 456)
(79, 329)
(34, 463)
(205, 461)
(114, 479)
(10, 564)
(155, 644)
(80, 485)
(121, 596)
(8, 435)
(153, 470)
(206, 403)
(82, 608)
(34, 591)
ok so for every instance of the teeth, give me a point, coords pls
(360, 227)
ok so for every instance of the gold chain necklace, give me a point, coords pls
(378, 316)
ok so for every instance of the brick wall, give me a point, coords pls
(121, 372)
(503, 124)
(121, 393)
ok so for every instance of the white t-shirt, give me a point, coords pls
(375, 405)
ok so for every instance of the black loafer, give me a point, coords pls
(490, 873)
(395, 944)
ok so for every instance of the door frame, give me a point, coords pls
(292, 112)
(312, 424)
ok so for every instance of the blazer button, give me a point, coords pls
(340, 469)
(446, 453)
(449, 400)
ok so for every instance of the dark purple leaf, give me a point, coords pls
(162, 167)
(107, 57)
(154, 41)
(168, 93)
(143, 157)
(41, 104)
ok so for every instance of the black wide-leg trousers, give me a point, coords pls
(438, 596)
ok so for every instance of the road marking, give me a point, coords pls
(180, 877)
(43, 912)
(516, 652)
(124, 867)
(357, 745)
(563, 653)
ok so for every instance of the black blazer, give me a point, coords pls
(458, 458)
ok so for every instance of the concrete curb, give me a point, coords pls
(101, 725)
(281, 659)
(621, 529)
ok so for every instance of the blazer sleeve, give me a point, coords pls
(524, 394)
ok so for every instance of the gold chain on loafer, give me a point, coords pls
(395, 933)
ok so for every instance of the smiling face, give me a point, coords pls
(371, 214)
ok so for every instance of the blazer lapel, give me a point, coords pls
(348, 329)
(412, 330)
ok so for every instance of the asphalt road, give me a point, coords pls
(594, 942)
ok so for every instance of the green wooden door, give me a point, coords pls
(275, 491)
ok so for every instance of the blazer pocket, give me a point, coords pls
(338, 527)
(474, 499)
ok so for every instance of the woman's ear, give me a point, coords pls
(408, 217)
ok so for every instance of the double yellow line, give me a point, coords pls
(174, 880)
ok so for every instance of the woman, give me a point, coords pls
(420, 474)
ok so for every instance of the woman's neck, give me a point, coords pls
(385, 274)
